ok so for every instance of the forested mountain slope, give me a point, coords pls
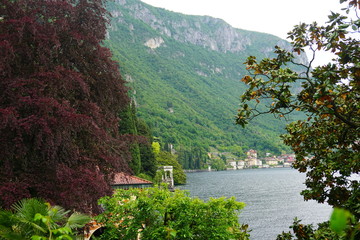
(185, 71)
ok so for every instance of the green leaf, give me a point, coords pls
(36, 237)
(173, 233)
(339, 220)
(39, 216)
(77, 220)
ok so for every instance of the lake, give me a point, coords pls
(272, 196)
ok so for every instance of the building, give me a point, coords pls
(231, 165)
(252, 160)
(167, 176)
(251, 154)
(250, 163)
(126, 181)
(240, 164)
(271, 161)
(288, 158)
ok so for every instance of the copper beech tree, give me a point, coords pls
(327, 141)
(60, 96)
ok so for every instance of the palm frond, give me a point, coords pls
(28, 207)
(58, 214)
(77, 220)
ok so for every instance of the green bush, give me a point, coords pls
(157, 213)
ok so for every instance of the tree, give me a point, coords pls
(35, 219)
(326, 143)
(147, 156)
(128, 125)
(143, 158)
(342, 226)
(157, 213)
(60, 96)
(193, 157)
(218, 164)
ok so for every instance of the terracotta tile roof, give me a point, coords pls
(126, 179)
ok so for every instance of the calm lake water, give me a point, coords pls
(272, 196)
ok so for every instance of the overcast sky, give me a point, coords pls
(276, 17)
(270, 16)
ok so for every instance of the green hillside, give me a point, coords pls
(184, 73)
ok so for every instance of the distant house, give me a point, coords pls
(252, 160)
(271, 161)
(240, 164)
(288, 158)
(231, 165)
(251, 154)
(126, 181)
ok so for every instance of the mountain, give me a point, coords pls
(184, 73)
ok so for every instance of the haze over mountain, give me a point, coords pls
(185, 71)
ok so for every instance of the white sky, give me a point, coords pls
(276, 17)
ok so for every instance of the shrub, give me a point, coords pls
(157, 213)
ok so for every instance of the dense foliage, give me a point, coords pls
(60, 96)
(142, 157)
(342, 226)
(192, 157)
(157, 213)
(327, 142)
(37, 220)
(186, 93)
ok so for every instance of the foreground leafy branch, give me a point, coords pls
(342, 226)
(327, 142)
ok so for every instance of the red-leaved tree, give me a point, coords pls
(60, 95)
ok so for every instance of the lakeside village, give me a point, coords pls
(252, 160)
(125, 181)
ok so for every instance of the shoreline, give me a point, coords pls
(230, 169)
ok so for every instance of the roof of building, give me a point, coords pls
(126, 179)
(252, 150)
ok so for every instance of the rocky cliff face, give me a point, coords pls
(205, 31)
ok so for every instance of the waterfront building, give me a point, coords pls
(232, 165)
(240, 164)
(252, 160)
(126, 181)
(272, 161)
